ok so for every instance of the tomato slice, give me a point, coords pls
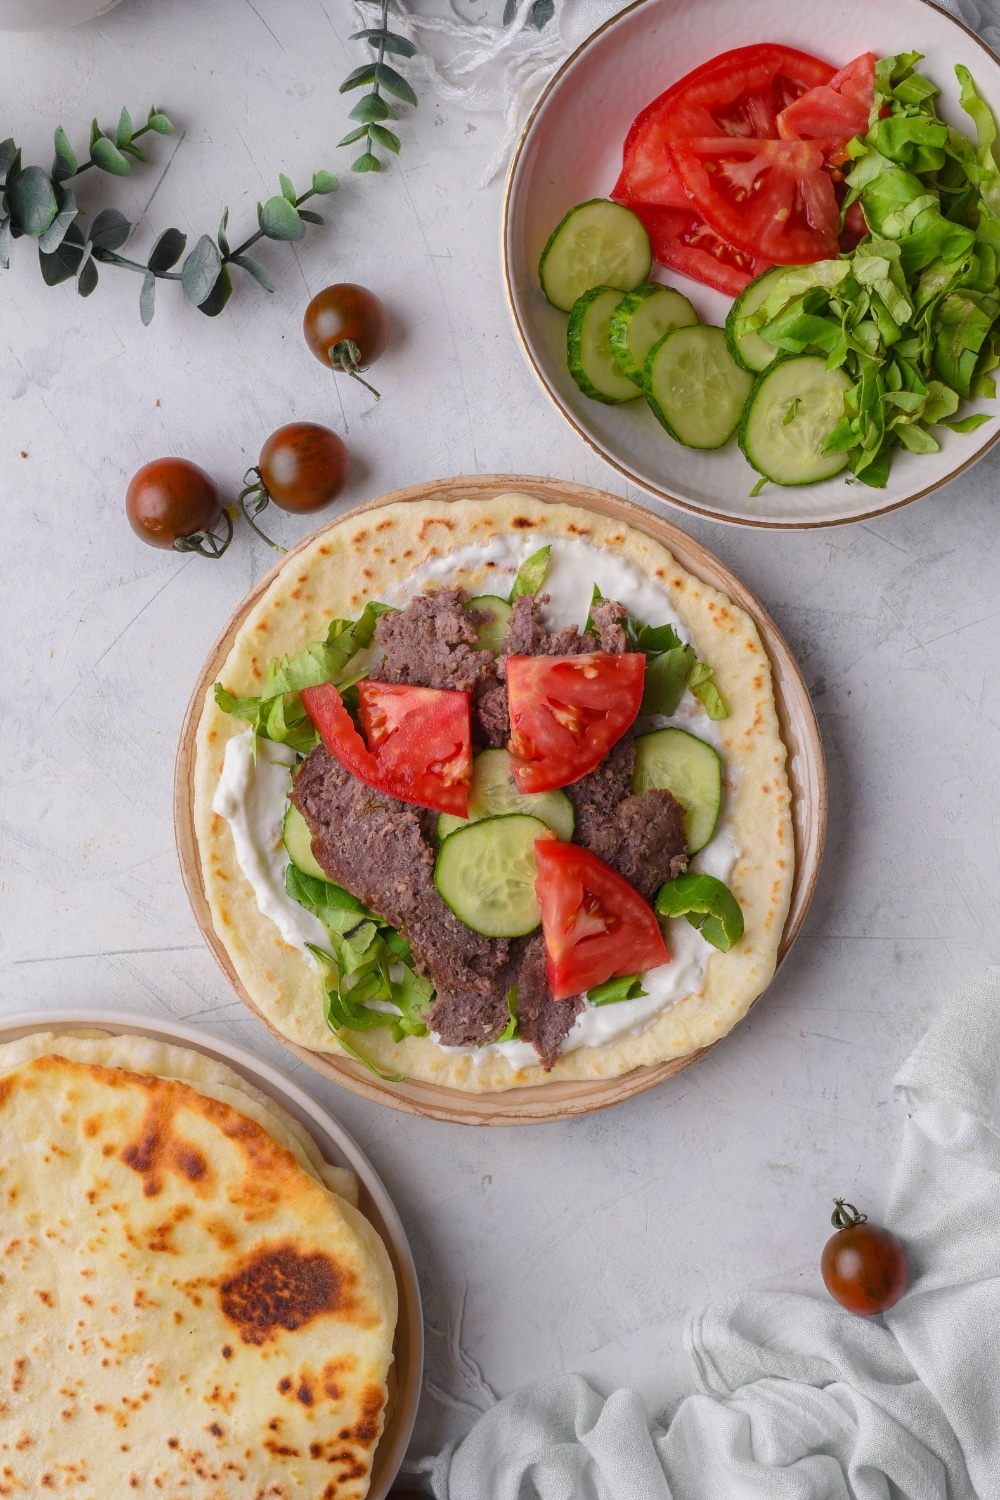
(682, 240)
(567, 711)
(771, 199)
(596, 926)
(739, 93)
(419, 741)
(833, 112)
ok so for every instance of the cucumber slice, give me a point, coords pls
(297, 840)
(598, 243)
(641, 319)
(486, 873)
(494, 794)
(751, 351)
(695, 388)
(588, 350)
(491, 635)
(794, 408)
(688, 768)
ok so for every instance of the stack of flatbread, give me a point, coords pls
(191, 1305)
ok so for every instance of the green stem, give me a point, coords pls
(381, 57)
(91, 163)
(241, 249)
(112, 258)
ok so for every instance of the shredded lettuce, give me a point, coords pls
(343, 658)
(531, 574)
(912, 315)
(510, 1031)
(612, 990)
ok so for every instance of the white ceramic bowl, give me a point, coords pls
(43, 15)
(571, 150)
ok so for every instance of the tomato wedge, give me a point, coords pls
(419, 741)
(567, 711)
(682, 240)
(596, 926)
(833, 112)
(739, 93)
(771, 199)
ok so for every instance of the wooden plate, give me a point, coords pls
(337, 1147)
(806, 774)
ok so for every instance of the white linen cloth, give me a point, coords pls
(797, 1399)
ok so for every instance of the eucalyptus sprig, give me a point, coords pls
(372, 109)
(38, 205)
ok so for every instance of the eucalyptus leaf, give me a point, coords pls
(384, 137)
(359, 77)
(222, 236)
(219, 295)
(310, 217)
(107, 156)
(200, 270)
(65, 164)
(542, 12)
(57, 230)
(135, 151)
(280, 221)
(354, 135)
(324, 182)
(5, 244)
(509, 12)
(389, 41)
(147, 299)
(160, 123)
(254, 268)
(287, 188)
(8, 155)
(110, 229)
(125, 130)
(371, 107)
(32, 202)
(395, 83)
(87, 280)
(63, 264)
(167, 251)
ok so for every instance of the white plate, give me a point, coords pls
(571, 150)
(339, 1149)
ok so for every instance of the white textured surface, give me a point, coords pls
(578, 1246)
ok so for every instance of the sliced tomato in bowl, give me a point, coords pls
(833, 112)
(419, 741)
(740, 93)
(771, 199)
(680, 238)
(567, 711)
(596, 926)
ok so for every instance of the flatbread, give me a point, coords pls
(187, 1308)
(368, 557)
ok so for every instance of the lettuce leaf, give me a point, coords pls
(612, 990)
(531, 574)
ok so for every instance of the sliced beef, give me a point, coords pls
(607, 617)
(374, 846)
(541, 1020)
(431, 643)
(643, 840)
(527, 636)
(596, 795)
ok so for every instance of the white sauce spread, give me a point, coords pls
(252, 797)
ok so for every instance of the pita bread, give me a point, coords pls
(188, 1308)
(369, 557)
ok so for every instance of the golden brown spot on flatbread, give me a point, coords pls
(408, 552)
(304, 1394)
(365, 1430)
(91, 1126)
(220, 1232)
(107, 1149)
(751, 647)
(367, 573)
(296, 594)
(17, 1374)
(358, 538)
(325, 550)
(278, 1287)
(678, 583)
(385, 525)
(214, 1429)
(523, 523)
(280, 1450)
(6, 1085)
(284, 1384)
(45, 1297)
(575, 530)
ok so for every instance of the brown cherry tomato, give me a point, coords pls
(346, 326)
(172, 503)
(303, 467)
(864, 1266)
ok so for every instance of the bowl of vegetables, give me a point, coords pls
(764, 282)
